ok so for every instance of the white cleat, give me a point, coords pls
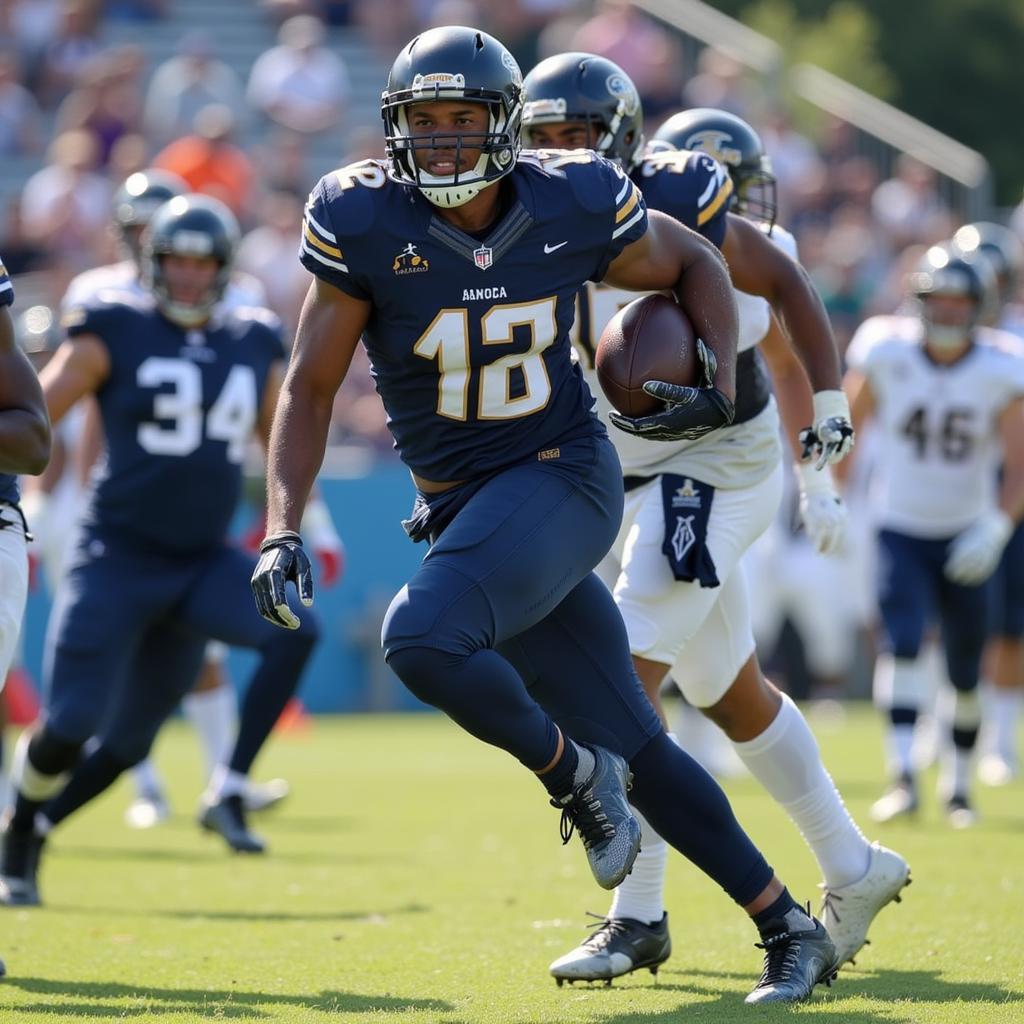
(261, 796)
(847, 912)
(996, 770)
(147, 811)
(899, 801)
(959, 812)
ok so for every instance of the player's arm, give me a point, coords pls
(24, 427)
(857, 387)
(271, 393)
(78, 368)
(975, 552)
(330, 326)
(821, 509)
(761, 268)
(671, 256)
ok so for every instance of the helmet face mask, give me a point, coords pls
(189, 225)
(953, 291)
(734, 144)
(592, 91)
(453, 64)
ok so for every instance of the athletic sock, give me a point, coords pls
(784, 915)
(214, 716)
(224, 783)
(1006, 707)
(147, 779)
(573, 768)
(786, 760)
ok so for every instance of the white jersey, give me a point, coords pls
(938, 447)
(242, 290)
(738, 456)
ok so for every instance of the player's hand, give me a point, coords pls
(689, 413)
(282, 558)
(324, 542)
(822, 510)
(830, 439)
(975, 553)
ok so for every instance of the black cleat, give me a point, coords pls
(227, 818)
(794, 962)
(616, 947)
(19, 868)
(599, 811)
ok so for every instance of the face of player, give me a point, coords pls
(564, 135)
(447, 121)
(189, 278)
(948, 321)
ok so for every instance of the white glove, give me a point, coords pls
(830, 438)
(821, 509)
(975, 552)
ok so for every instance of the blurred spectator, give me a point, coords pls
(209, 161)
(300, 83)
(19, 112)
(649, 54)
(70, 51)
(795, 163)
(387, 27)
(32, 24)
(280, 160)
(129, 154)
(108, 102)
(268, 253)
(908, 207)
(721, 83)
(65, 206)
(135, 10)
(183, 85)
(21, 254)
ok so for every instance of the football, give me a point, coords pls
(650, 339)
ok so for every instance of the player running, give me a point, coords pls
(181, 390)
(504, 626)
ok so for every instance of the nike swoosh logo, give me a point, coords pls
(552, 248)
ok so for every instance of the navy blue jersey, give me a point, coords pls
(687, 185)
(468, 339)
(179, 408)
(8, 483)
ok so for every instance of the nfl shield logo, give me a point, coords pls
(483, 257)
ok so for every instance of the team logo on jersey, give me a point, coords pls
(409, 261)
(686, 496)
(619, 85)
(483, 257)
(438, 80)
(716, 144)
(683, 537)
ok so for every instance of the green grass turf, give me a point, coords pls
(417, 875)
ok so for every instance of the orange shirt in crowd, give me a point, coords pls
(215, 168)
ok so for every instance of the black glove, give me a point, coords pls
(281, 559)
(689, 412)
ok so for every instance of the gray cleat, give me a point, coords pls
(616, 947)
(227, 818)
(794, 962)
(599, 811)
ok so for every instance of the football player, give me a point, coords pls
(212, 705)
(458, 260)
(685, 605)
(24, 448)
(946, 396)
(181, 389)
(1004, 656)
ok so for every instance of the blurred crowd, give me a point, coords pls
(91, 113)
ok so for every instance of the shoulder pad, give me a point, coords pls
(687, 185)
(594, 181)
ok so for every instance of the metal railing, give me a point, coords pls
(884, 130)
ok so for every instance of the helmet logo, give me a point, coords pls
(509, 63)
(438, 80)
(620, 86)
(716, 144)
(546, 109)
(193, 243)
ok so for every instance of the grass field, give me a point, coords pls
(417, 875)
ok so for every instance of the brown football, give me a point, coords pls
(650, 339)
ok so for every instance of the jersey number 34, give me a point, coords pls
(230, 418)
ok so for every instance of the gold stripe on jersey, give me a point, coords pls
(627, 207)
(715, 205)
(330, 250)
